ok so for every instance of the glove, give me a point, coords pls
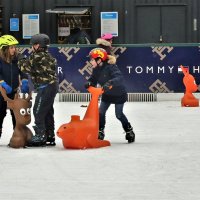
(24, 86)
(107, 86)
(6, 87)
(88, 84)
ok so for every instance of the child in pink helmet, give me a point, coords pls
(105, 42)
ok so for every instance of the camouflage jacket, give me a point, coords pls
(41, 66)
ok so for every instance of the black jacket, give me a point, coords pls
(110, 72)
(10, 72)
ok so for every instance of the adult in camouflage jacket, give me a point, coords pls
(41, 67)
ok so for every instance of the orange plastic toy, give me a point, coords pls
(82, 134)
(189, 99)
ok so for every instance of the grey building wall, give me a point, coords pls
(127, 9)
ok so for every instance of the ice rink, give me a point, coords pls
(163, 163)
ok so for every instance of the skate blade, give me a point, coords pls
(51, 144)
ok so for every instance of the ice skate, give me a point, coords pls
(50, 138)
(130, 135)
(39, 139)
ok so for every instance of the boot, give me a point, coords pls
(101, 134)
(50, 138)
(130, 135)
(39, 139)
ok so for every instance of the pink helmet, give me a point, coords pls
(107, 36)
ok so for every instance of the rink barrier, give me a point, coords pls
(85, 97)
(142, 97)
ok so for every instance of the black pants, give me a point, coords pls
(43, 108)
(3, 110)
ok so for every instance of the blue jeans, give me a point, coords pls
(118, 113)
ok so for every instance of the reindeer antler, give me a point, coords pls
(17, 96)
(29, 96)
(3, 92)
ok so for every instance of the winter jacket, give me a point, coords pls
(41, 66)
(10, 72)
(110, 72)
(105, 45)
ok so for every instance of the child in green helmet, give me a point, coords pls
(41, 67)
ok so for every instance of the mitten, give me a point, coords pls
(6, 87)
(88, 84)
(107, 86)
(24, 86)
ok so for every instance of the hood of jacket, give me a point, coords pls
(111, 60)
(103, 42)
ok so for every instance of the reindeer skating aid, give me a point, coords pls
(82, 134)
(22, 111)
(189, 100)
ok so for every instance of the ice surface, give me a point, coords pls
(163, 163)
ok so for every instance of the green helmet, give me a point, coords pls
(7, 40)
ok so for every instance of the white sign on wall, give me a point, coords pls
(63, 31)
(31, 25)
(109, 23)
